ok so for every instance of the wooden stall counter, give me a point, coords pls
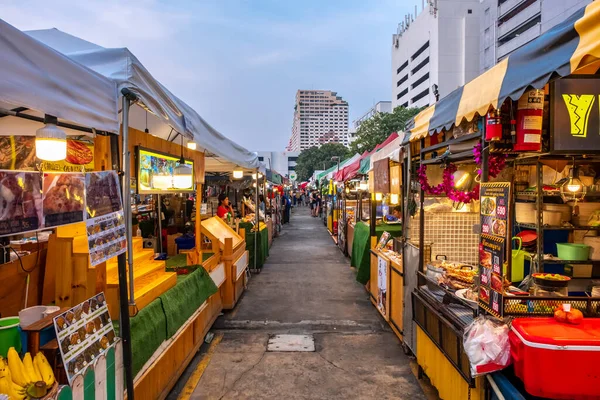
(386, 287)
(231, 256)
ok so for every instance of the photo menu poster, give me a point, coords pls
(64, 198)
(494, 264)
(20, 202)
(105, 223)
(83, 333)
(382, 269)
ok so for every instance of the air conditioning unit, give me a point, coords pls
(150, 243)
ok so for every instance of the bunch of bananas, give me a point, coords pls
(25, 379)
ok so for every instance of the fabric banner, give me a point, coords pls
(18, 153)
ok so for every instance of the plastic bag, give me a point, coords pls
(486, 344)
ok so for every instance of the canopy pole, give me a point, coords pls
(127, 98)
(257, 219)
(125, 323)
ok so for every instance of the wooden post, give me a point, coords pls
(228, 289)
(64, 279)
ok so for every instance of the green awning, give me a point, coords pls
(365, 165)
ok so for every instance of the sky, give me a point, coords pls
(239, 63)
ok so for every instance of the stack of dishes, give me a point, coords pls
(528, 239)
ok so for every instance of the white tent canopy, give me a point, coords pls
(128, 72)
(392, 151)
(43, 81)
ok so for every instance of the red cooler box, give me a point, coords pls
(555, 360)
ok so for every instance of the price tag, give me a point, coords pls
(485, 228)
(496, 265)
(485, 279)
(501, 212)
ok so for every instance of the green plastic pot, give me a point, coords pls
(9, 335)
(573, 251)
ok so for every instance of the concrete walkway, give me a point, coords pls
(306, 287)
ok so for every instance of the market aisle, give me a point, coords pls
(306, 287)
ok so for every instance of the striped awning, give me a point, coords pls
(572, 47)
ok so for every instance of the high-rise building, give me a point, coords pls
(380, 107)
(435, 52)
(507, 25)
(284, 162)
(320, 116)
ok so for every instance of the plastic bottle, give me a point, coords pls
(138, 233)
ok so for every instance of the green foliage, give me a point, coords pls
(375, 130)
(318, 158)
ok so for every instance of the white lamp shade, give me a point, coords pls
(162, 181)
(253, 176)
(183, 177)
(192, 145)
(394, 198)
(378, 196)
(50, 143)
(238, 174)
(363, 186)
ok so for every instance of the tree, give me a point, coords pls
(378, 128)
(318, 158)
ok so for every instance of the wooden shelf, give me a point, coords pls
(556, 228)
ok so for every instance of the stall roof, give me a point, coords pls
(390, 150)
(353, 169)
(331, 171)
(571, 47)
(128, 72)
(36, 77)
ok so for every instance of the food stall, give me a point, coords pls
(83, 271)
(517, 201)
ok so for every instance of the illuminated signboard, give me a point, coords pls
(576, 114)
(155, 172)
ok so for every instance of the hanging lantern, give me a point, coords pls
(238, 174)
(162, 182)
(573, 189)
(50, 141)
(183, 176)
(378, 196)
(363, 186)
(191, 145)
(394, 198)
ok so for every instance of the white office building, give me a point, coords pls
(380, 107)
(507, 25)
(435, 51)
(320, 116)
(284, 162)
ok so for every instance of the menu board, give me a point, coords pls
(64, 196)
(105, 223)
(20, 202)
(494, 264)
(18, 153)
(155, 172)
(382, 268)
(83, 333)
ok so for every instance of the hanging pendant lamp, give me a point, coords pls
(183, 177)
(50, 141)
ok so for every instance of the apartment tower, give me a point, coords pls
(506, 25)
(320, 116)
(435, 51)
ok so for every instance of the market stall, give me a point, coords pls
(519, 163)
(86, 262)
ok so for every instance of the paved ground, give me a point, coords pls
(306, 287)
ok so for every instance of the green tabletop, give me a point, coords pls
(263, 244)
(361, 244)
